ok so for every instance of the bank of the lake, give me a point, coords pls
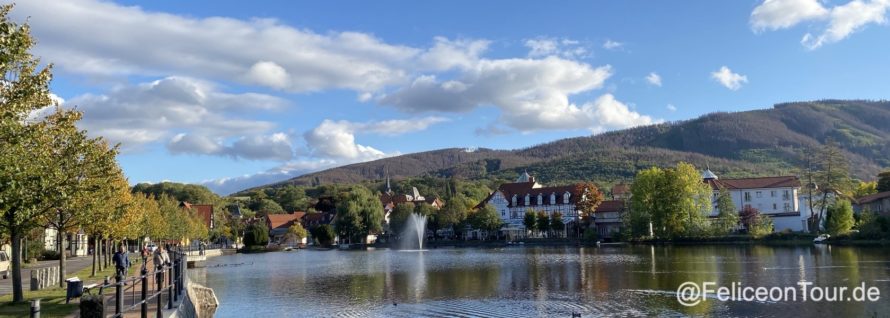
(630, 280)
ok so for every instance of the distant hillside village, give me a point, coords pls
(782, 202)
(786, 201)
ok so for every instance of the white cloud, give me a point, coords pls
(566, 48)
(113, 39)
(612, 45)
(671, 107)
(229, 185)
(447, 54)
(336, 139)
(728, 79)
(654, 79)
(847, 19)
(532, 94)
(276, 146)
(843, 20)
(780, 14)
(135, 115)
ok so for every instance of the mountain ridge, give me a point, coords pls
(747, 143)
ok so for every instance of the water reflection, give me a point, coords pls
(509, 282)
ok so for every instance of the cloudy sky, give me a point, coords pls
(234, 94)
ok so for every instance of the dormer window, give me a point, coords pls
(527, 199)
(565, 197)
(514, 200)
(540, 199)
(553, 198)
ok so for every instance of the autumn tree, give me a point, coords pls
(27, 179)
(590, 198)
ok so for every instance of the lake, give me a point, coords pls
(609, 281)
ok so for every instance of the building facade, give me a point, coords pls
(512, 200)
(776, 197)
(878, 203)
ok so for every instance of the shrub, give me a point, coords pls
(48, 255)
(256, 235)
(324, 234)
(590, 235)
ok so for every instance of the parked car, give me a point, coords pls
(4, 264)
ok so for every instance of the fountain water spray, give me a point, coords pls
(414, 227)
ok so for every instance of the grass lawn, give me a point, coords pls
(53, 299)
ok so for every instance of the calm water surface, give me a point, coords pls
(527, 282)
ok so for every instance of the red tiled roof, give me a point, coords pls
(280, 220)
(755, 183)
(610, 206)
(203, 210)
(298, 215)
(619, 189)
(520, 189)
(874, 197)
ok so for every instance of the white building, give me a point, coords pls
(512, 200)
(776, 197)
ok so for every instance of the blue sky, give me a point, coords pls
(234, 94)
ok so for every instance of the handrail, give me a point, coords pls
(175, 271)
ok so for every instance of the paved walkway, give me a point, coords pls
(72, 265)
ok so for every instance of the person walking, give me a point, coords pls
(161, 260)
(121, 263)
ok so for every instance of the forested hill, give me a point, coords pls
(759, 142)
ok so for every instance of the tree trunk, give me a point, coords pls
(95, 249)
(17, 295)
(61, 259)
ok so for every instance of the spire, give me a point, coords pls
(708, 174)
(388, 189)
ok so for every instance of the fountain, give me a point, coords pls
(414, 227)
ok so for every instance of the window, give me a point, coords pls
(503, 213)
(772, 193)
(786, 196)
(514, 200)
(787, 207)
(553, 198)
(759, 195)
(565, 197)
(527, 199)
(747, 196)
(775, 206)
(540, 199)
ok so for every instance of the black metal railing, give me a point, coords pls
(167, 280)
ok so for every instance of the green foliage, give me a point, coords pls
(424, 209)
(530, 220)
(757, 224)
(728, 217)
(486, 219)
(324, 234)
(883, 184)
(590, 235)
(872, 226)
(453, 213)
(399, 216)
(265, 206)
(191, 193)
(674, 200)
(556, 223)
(827, 170)
(840, 218)
(296, 231)
(543, 222)
(256, 235)
(359, 212)
(864, 188)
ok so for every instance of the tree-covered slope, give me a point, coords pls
(758, 142)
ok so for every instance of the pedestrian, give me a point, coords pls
(121, 263)
(161, 260)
